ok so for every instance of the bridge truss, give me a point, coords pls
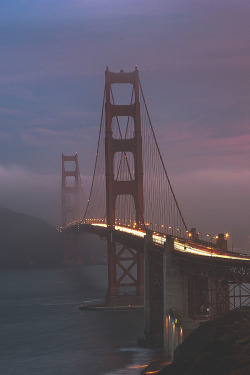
(215, 286)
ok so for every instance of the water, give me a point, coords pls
(43, 332)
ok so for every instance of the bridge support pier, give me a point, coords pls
(176, 322)
(166, 298)
(153, 293)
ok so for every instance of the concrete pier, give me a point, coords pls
(166, 298)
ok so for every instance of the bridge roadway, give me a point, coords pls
(174, 274)
(183, 249)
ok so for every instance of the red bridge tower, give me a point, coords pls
(125, 259)
(70, 195)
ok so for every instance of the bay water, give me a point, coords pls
(42, 330)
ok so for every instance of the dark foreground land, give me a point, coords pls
(220, 346)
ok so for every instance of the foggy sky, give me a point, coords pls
(194, 64)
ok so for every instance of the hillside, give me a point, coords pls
(27, 240)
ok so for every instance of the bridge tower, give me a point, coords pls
(70, 189)
(70, 195)
(126, 258)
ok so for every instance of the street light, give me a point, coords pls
(200, 234)
(210, 237)
(179, 231)
(189, 234)
(227, 236)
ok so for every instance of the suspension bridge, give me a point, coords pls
(153, 258)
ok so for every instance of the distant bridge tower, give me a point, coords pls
(70, 189)
(125, 259)
(71, 209)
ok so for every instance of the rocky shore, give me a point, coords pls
(220, 346)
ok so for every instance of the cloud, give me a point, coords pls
(193, 59)
(83, 37)
(35, 194)
(8, 111)
(37, 136)
(192, 146)
(215, 200)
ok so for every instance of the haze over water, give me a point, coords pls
(43, 331)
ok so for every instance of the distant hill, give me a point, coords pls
(27, 240)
